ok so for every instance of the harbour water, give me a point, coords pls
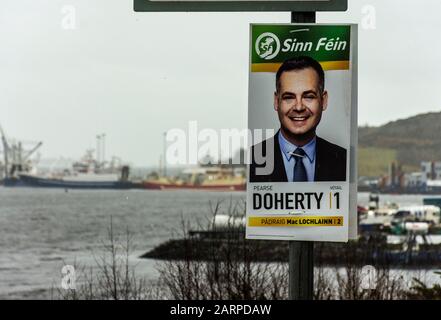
(43, 229)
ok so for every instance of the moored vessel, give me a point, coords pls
(85, 174)
(212, 178)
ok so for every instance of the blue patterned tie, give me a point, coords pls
(299, 168)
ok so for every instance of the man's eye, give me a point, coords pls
(309, 97)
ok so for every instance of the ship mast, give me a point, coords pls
(5, 151)
(164, 159)
(29, 154)
(101, 150)
(103, 137)
(98, 137)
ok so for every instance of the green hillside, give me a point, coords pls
(373, 162)
(408, 141)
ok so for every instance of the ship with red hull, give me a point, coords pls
(207, 179)
(175, 186)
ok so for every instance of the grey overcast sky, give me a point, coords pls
(135, 75)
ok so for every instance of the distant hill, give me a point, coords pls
(408, 141)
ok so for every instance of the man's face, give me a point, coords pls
(299, 103)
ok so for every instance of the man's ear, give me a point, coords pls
(276, 101)
(324, 100)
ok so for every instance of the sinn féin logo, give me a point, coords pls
(267, 45)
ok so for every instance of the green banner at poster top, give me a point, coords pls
(273, 44)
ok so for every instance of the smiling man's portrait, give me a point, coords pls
(295, 153)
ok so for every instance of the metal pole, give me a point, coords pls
(301, 260)
(303, 17)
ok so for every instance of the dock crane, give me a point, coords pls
(14, 156)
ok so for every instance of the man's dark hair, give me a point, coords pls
(301, 63)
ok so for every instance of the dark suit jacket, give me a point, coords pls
(330, 162)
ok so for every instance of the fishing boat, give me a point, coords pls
(87, 173)
(81, 181)
(214, 178)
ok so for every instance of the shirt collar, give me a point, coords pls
(288, 147)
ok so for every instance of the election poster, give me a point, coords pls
(302, 116)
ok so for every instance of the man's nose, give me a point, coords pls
(298, 105)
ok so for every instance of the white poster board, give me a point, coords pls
(311, 106)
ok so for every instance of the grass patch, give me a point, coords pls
(374, 162)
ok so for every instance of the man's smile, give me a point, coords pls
(299, 119)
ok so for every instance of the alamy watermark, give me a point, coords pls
(69, 17)
(369, 19)
(369, 277)
(68, 280)
(225, 146)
